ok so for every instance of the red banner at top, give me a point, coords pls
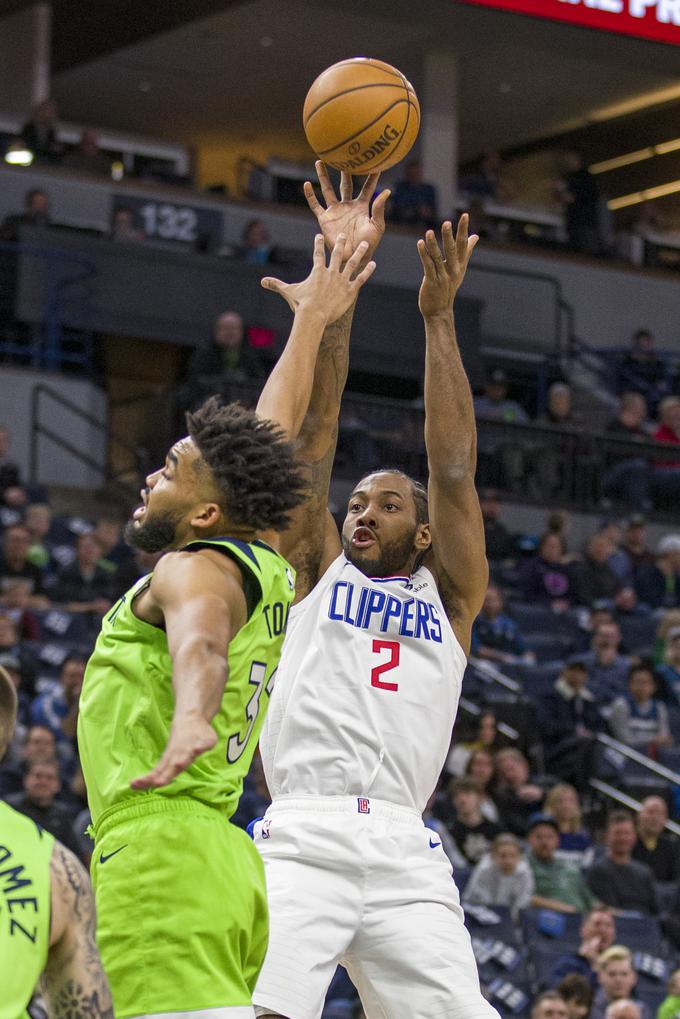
(658, 20)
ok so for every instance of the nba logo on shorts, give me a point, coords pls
(266, 829)
(363, 805)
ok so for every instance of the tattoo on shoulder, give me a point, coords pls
(75, 1001)
(74, 882)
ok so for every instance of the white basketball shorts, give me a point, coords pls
(363, 883)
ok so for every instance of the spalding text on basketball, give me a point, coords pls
(381, 143)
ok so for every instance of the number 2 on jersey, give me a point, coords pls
(393, 647)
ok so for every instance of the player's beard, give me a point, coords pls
(394, 558)
(156, 534)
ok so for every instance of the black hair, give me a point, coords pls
(252, 464)
(418, 491)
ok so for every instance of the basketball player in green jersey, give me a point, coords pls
(46, 913)
(177, 686)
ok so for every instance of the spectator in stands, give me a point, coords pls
(84, 586)
(226, 361)
(10, 476)
(626, 1008)
(11, 644)
(670, 1006)
(38, 521)
(627, 476)
(14, 565)
(655, 846)
(57, 709)
(669, 671)
(14, 603)
(638, 718)
(256, 247)
(633, 551)
(502, 878)
(594, 579)
(549, 1005)
(545, 578)
(577, 994)
(470, 831)
(569, 719)
(575, 848)
(670, 620)
(618, 880)
(414, 200)
(87, 156)
(607, 667)
(487, 179)
(556, 886)
(39, 801)
(666, 475)
(598, 931)
(36, 213)
(484, 737)
(579, 194)
(39, 133)
(658, 584)
(517, 796)
(641, 370)
(617, 979)
(480, 767)
(495, 405)
(550, 458)
(123, 225)
(495, 636)
(500, 544)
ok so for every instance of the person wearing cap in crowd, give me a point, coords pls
(607, 667)
(556, 886)
(618, 880)
(669, 672)
(655, 846)
(638, 718)
(598, 931)
(633, 550)
(658, 583)
(493, 447)
(569, 718)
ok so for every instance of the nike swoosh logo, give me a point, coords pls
(434, 845)
(103, 859)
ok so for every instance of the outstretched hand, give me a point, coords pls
(188, 740)
(350, 216)
(329, 289)
(443, 274)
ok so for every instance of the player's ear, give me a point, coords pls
(423, 537)
(205, 515)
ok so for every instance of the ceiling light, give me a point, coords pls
(635, 157)
(641, 102)
(18, 154)
(648, 195)
(266, 41)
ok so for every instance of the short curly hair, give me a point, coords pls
(252, 464)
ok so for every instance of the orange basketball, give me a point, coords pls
(361, 115)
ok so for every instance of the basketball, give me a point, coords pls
(361, 115)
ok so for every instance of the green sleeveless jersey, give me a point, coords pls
(25, 908)
(127, 701)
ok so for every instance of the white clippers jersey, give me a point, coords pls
(366, 692)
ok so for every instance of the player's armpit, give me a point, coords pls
(74, 982)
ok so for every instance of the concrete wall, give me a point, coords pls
(56, 466)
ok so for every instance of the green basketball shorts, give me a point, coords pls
(182, 920)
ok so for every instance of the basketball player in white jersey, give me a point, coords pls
(367, 689)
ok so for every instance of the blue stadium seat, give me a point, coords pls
(638, 632)
(461, 875)
(548, 646)
(495, 922)
(540, 679)
(640, 934)
(531, 618)
(550, 931)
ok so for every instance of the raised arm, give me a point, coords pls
(458, 554)
(74, 982)
(199, 598)
(312, 539)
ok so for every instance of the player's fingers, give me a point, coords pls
(319, 258)
(346, 187)
(462, 237)
(365, 274)
(327, 189)
(336, 254)
(354, 261)
(451, 251)
(473, 241)
(378, 210)
(271, 283)
(428, 267)
(369, 186)
(312, 200)
(433, 248)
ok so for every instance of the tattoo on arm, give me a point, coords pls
(74, 982)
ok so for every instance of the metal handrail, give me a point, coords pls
(473, 709)
(494, 674)
(635, 755)
(627, 801)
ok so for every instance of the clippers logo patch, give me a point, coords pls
(363, 805)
